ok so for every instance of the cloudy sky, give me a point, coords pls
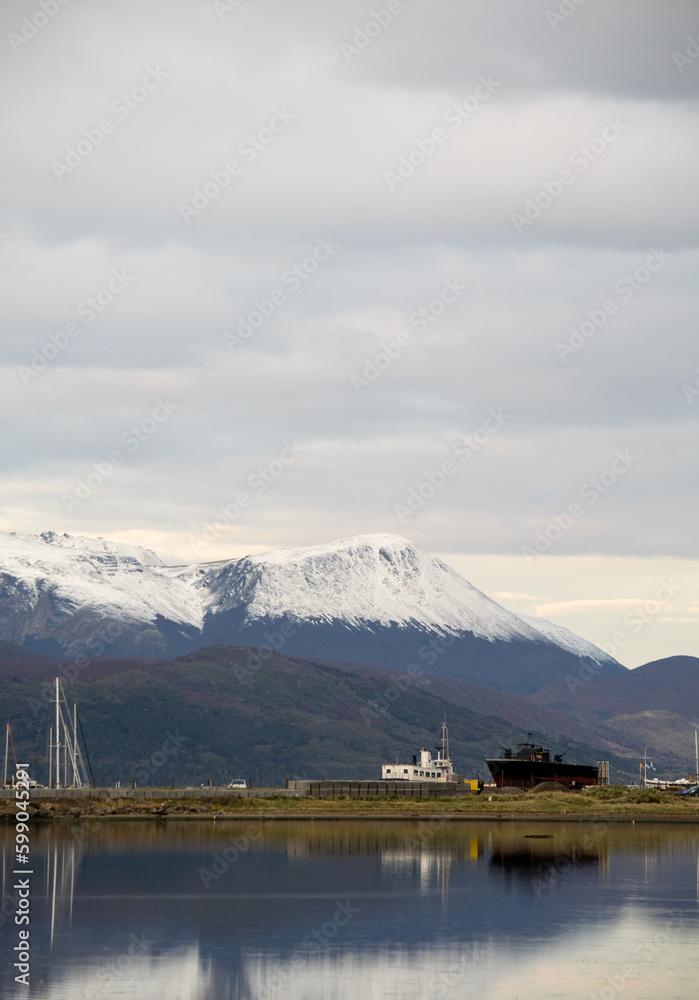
(276, 272)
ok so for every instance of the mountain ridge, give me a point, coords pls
(376, 599)
(207, 714)
(253, 711)
(670, 683)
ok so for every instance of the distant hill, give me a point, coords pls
(653, 709)
(223, 712)
(669, 685)
(658, 733)
(18, 655)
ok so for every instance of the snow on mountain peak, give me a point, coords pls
(568, 640)
(93, 572)
(362, 580)
(13, 542)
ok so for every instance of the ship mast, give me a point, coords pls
(65, 735)
(445, 747)
(58, 738)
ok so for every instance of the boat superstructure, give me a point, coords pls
(529, 764)
(424, 766)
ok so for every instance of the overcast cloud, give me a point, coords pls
(257, 241)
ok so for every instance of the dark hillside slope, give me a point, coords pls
(223, 712)
(668, 685)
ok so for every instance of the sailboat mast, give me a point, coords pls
(58, 741)
(75, 746)
(696, 756)
(7, 751)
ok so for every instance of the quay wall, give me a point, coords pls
(141, 794)
(295, 790)
(413, 789)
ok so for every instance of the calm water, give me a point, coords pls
(360, 910)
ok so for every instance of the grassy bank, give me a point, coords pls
(612, 801)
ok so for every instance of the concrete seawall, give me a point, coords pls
(411, 789)
(142, 794)
(296, 790)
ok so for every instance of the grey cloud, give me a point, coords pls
(324, 176)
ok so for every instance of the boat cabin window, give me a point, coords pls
(388, 770)
(414, 772)
(405, 770)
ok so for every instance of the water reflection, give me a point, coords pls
(299, 909)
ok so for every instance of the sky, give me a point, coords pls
(274, 273)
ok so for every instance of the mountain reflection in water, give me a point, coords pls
(333, 910)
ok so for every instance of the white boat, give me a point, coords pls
(424, 767)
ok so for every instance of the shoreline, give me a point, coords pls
(548, 807)
(281, 817)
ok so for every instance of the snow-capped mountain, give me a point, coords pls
(67, 595)
(374, 599)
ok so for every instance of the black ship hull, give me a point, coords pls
(512, 773)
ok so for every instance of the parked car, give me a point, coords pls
(238, 783)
